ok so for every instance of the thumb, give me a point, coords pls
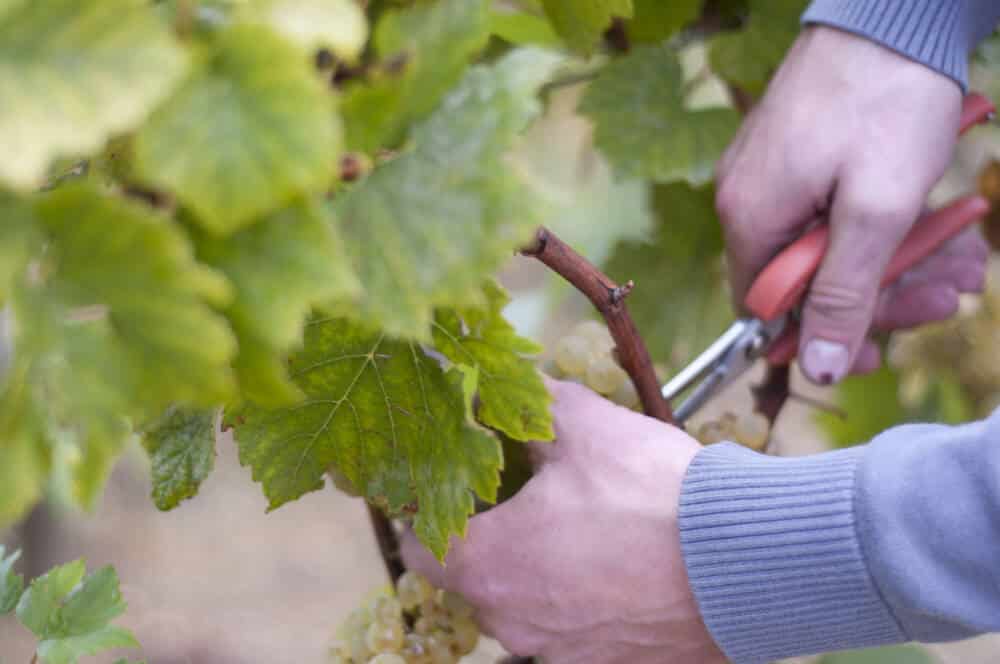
(866, 228)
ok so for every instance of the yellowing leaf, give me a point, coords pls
(111, 322)
(281, 267)
(387, 417)
(428, 227)
(245, 135)
(748, 58)
(181, 446)
(582, 23)
(512, 396)
(338, 25)
(20, 237)
(642, 125)
(74, 72)
(424, 50)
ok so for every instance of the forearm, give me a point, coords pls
(884, 543)
(937, 33)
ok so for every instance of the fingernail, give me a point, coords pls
(824, 362)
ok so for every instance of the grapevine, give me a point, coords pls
(287, 219)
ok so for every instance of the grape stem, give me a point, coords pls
(609, 299)
(388, 543)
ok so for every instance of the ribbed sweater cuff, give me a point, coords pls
(773, 555)
(932, 32)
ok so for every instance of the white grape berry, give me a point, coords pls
(572, 355)
(439, 648)
(413, 589)
(384, 637)
(465, 635)
(626, 395)
(455, 604)
(387, 658)
(596, 334)
(415, 650)
(604, 375)
(360, 652)
(386, 610)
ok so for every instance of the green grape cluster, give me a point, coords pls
(962, 347)
(586, 355)
(419, 625)
(748, 429)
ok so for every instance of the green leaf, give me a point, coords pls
(385, 415)
(512, 396)
(94, 346)
(680, 299)
(642, 126)
(424, 50)
(92, 605)
(582, 23)
(181, 446)
(748, 58)
(69, 649)
(870, 405)
(655, 20)
(521, 27)
(905, 654)
(282, 266)
(250, 131)
(24, 458)
(39, 606)
(11, 584)
(70, 614)
(428, 227)
(20, 237)
(338, 25)
(74, 72)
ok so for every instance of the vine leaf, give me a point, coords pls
(181, 447)
(520, 27)
(748, 58)
(450, 211)
(512, 396)
(74, 72)
(338, 25)
(642, 126)
(387, 417)
(71, 614)
(655, 20)
(281, 267)
(424, 50)
(11, 584)
(85, 330)
(581, 23)
(680, 297)
(269, 122)
(20, 237)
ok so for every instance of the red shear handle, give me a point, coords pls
(779, 288)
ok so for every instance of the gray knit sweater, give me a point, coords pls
(893, 541)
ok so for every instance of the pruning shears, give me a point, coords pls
(775, 296)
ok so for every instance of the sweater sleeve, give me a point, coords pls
(883, 543)
(937, 33)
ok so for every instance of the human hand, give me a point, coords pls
(851, 131)
(584, 564)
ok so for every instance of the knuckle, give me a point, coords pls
(843, 303)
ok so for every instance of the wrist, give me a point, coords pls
(773, 556)
(924, 31)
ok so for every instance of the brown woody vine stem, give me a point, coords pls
(609, 299)
(388, 543)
